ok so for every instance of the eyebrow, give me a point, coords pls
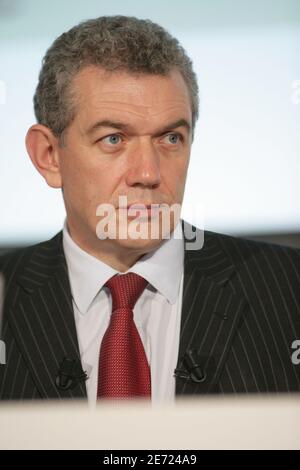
(126, 127)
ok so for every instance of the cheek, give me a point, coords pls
(82, 178)
(175, 175)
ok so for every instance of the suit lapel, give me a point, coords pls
(42, 318)
(211, 311)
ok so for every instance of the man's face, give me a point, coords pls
(131, 137)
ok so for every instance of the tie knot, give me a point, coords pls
(126, 289)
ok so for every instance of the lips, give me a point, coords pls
(140, 205)
(141, 210)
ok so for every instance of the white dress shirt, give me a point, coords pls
(157, 313)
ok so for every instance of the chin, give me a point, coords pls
(136, 233)
(140, 244)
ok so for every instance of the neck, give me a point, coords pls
(110, 252)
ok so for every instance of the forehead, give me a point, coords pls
(134, 97)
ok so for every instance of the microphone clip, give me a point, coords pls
(193, 370)
(70, 373)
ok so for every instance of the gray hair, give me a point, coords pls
(111, 42)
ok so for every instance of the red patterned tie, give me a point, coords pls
(123, 367)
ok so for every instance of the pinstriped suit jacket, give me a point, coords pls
(240, 311)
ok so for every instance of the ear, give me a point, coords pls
(43, 149)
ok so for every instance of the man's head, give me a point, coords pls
(116, 105)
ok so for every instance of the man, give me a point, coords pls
(115, 305)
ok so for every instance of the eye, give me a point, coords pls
(173, 138)
(112, 139)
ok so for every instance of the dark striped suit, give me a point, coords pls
(240, 313)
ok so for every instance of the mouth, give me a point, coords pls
(141, 210)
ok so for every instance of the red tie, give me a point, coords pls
(123, 367)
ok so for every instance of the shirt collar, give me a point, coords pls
(162, 268)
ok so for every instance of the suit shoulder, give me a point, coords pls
(13, 261)
(11, 258)
(243, 250)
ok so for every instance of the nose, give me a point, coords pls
(144, 165)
